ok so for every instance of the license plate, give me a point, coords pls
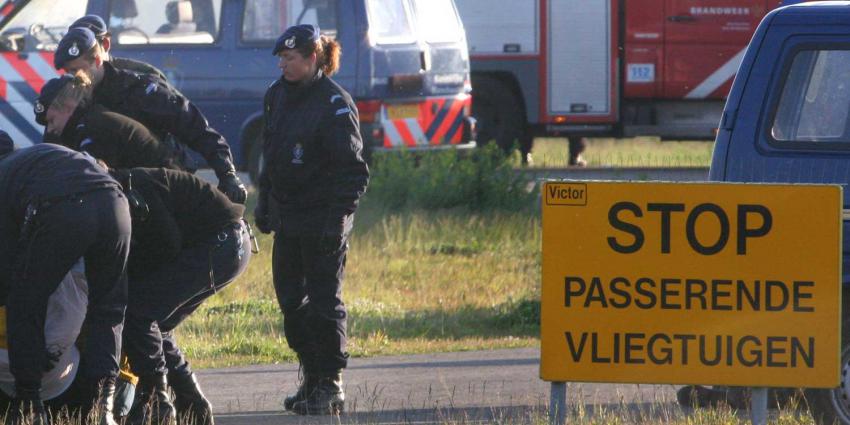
(400, 112)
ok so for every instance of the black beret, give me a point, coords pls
(73, 45)
(48, 94)
(93, 22)
(6, 143)
(296, 36)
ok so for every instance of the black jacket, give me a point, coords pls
(183, 211)
(138, 67)
(161, 108)
(120, 141)
(312, 148)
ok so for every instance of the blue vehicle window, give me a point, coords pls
(45, 22)
(437, 21)
(265, 20)
(815, 100)
(164, 21)
(390, 22)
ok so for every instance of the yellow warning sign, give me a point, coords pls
(700, 283)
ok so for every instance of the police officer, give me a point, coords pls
(313, 177)
(56, 206)
(97, 25)
(74, 122)
(189, 241)
(152, 102)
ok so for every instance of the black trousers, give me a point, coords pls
(96, 227)
(308, 265)
(161, 300)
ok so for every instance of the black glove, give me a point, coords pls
(27, 407)
(262, 216)
(232, 187)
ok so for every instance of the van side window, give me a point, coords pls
(40, 25)
(266, 20)
(164, 21)
(815, 100)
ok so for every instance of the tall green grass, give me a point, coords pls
(445, 255)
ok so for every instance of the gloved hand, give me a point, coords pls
(27, 407)
(233, 188)
(262, 216)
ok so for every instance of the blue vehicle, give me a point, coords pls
(787, 120)
(405, 62)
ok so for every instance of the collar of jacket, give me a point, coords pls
(296, 91)
(72, 135)
(106, 86)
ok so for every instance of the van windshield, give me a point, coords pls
(390, 22)
(437, 21)
(266, 20)
(40, 25)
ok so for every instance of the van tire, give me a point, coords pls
(500, 114)
(832, 406)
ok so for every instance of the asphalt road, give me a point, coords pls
(468, 387)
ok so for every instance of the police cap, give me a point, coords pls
(295, 37)
(48, 93)
(93, 22)
(74, 44)
(6, 143)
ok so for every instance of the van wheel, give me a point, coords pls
(832, 406)
(499, 113)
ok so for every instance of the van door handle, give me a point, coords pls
(845, 214)
(682, 18)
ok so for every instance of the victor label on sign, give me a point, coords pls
(726, 284)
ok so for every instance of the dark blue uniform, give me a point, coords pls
(57, 205)
(313, 178)
(164, 111)
(189, 241)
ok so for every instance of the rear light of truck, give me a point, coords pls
(370, 110)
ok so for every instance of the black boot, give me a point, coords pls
(193, 408)
(307, 385)
(327, 398)
(152, 404)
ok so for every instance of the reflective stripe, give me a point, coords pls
(416, 131)
(718, 77)
(44, 69)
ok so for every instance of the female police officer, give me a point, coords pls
(313, 178)
(73, 121)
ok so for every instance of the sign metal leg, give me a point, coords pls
(558, 403)
(758, 406)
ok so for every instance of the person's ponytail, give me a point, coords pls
(331, 51)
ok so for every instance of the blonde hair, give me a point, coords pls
(78, 92)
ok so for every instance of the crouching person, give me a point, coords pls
(57, 206)
(189, 241)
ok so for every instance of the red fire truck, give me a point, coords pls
(608, 67)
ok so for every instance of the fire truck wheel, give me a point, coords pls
(832, 406)
(500, 114)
